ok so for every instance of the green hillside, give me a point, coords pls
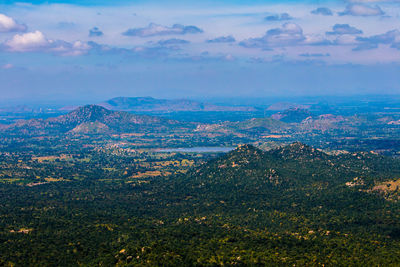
(294, 205)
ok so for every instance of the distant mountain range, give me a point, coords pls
(284, 105)
(16, 109)
(92, 119)
(96, 119)
(149, 104)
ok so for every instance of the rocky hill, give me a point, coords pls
(248, 169)
(92, 119)
(292, 115)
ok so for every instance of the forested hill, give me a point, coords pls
(293, 165)
(294, 205)
(93, 119)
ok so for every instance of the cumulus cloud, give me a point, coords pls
(37, 42)
(278, 17)
(222, 39)
(27, 42)
(172, 41)
(391, 38)
(289, 34)
(308, 55)
(157, 30)
(229, 57)
(95, 32)
(153, 52)
(316, 39)
(8, 24)
(162, 48)
(106, 49)
(322, 11)
(339, 29)
(346, 40)
(362, 10)
(77, 48)
(365, 46)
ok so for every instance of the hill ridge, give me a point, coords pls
(93, 119)
(150, 104)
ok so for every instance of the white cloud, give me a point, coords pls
(37, 42)
(340, 29)
(229, 57)
(288, 34)
(346, 40)
(391, 38)
(8, 24)
(362, 10)
(278, 17)
(27, 42)
(69, 49)
(245, 22)
(222, 39)
(155, 29)
(316, 39)
(322, 11)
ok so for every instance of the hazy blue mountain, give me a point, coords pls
(149, 104)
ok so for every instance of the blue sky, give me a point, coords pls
(69, 50)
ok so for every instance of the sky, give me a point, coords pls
(92, 50)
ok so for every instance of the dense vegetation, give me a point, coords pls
(292, 205)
